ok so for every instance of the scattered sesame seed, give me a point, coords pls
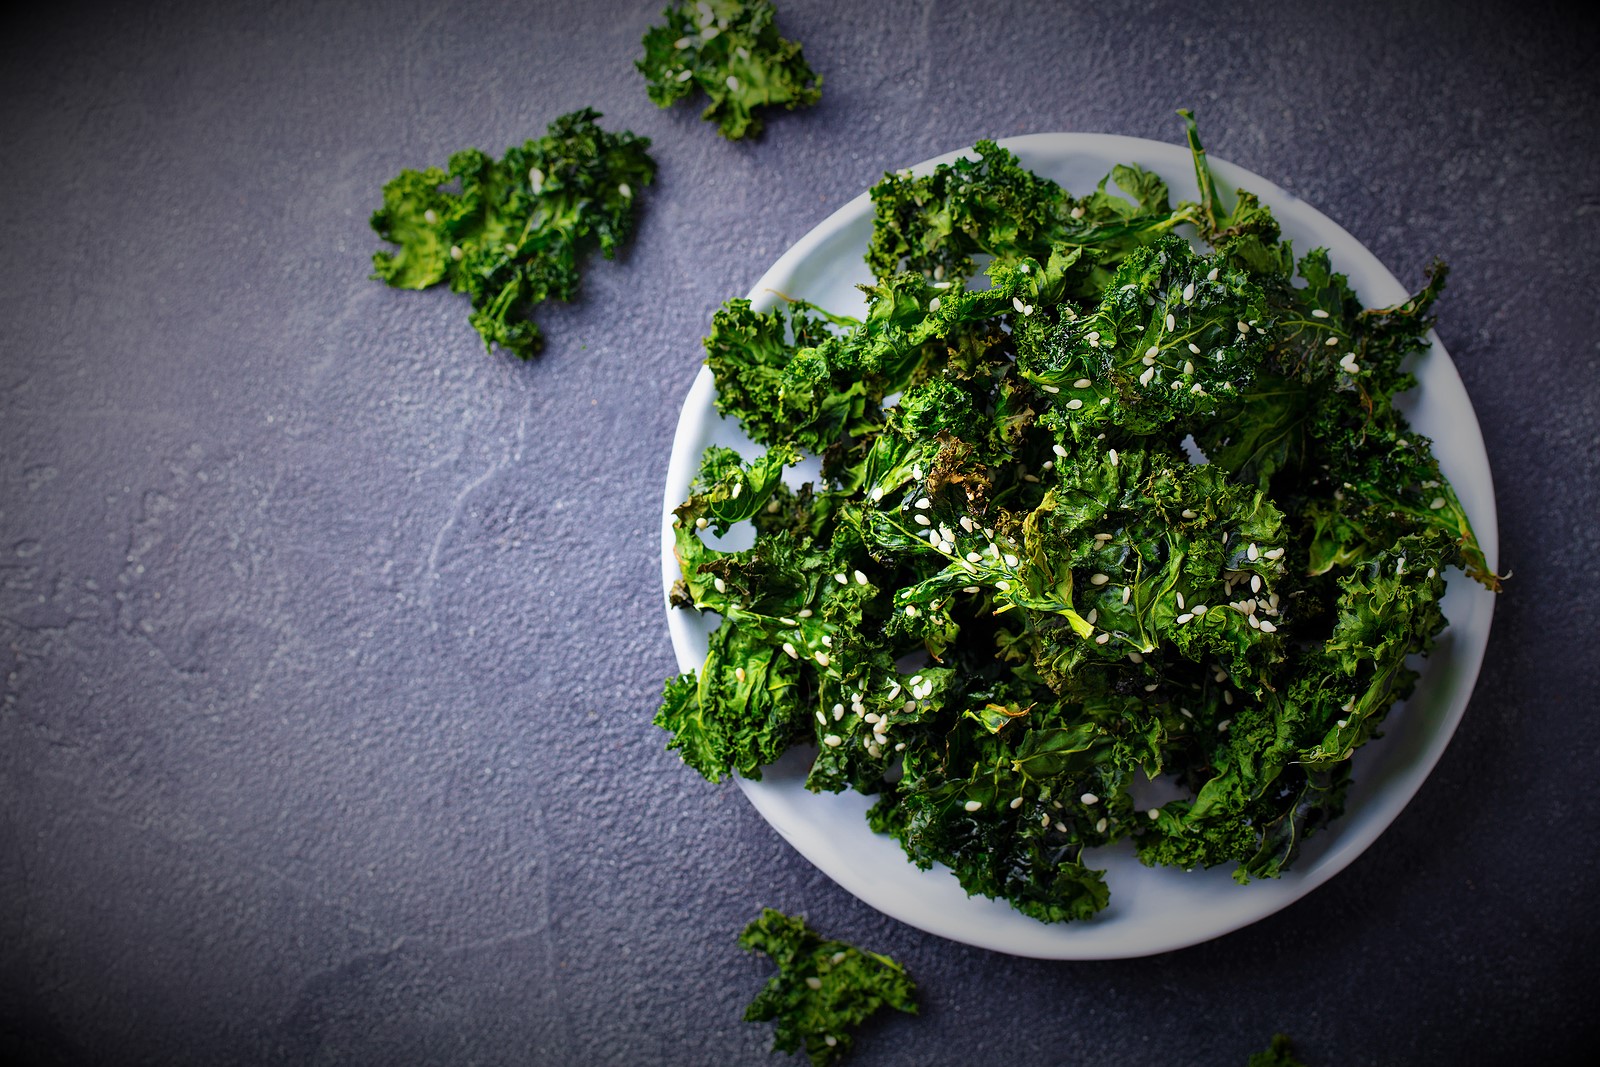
(1093, 616)
(1188, 513)
(1135, 657)
(700, 524)
(1436, 503)
(1222, 727)
(788, 650)
(1273, 553)
(1100, 827)
(1244, 327)
(1154, 813)
(1051, 388)
(738, 672)
(1011, 561)
(1196, 350)
(685, 75)
(973, 805)
(682, 42)
(1016, 802)
(721, 586)
(1266, 627)
(430, 216)
(933, 305)
(1017, 303)
(1099, 579)
(536, 179)
(1318, 313)
(1185, 617)
(1076, 212)
(1172, 323)
(821, 658)
(625, 191)
(1074, 404)
(1102, 639)
(971, 589)
(1199, 609)
(1102, 537)
(833, 740)
(733, 83)
(456, 253)
(814, 982)
(1127, 593)
(1144, 379)
(1211, 277)
(1330, 342)
(1188, 292)
(911, 610)
(511, 249)
(1113, 457)
(1002, 585)
(1432, 572)
(861, 579)
(1081, 383)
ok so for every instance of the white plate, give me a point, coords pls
(1151, 910)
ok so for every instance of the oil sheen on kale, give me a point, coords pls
(1014, 593)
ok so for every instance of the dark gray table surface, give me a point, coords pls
(329, 644)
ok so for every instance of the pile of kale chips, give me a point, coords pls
(1017, 589)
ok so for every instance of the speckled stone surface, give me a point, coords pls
(329, 643)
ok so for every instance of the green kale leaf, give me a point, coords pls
(731, 51)
(823, 991)
(513, 232)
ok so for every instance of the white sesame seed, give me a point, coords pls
(1074, 404)
(1255, 623)
(430, 216)
(1188, 292)
(1151, 353)
(933, 305)
(536, 179)
(838, 712)
(1113, 454)
(911, 610)
(1432, 572)
(1211, 277)
(1093, 616)
(871, 716)
(833, 740)
(1199, 609)
(682, 42)
(822, 718)
(1127, 593)
(788, 650)
(821, 658)
(1154, 813)
(973, 805)
(1100, 827)
(1318, 313)
(456, 253)
(814, 982)
(1003, 586)
(1185, 617)
(1244, 327)
(1144, 379)
(1051, 388)
(1266, 627)
(733, 83)
(1172, 323)
(841, 579)
(738, 672)
(1252, 553)
(1196, 350)
(700, 524)
(1017, 303)
(804, 613)
(685, 75)
(1273, 553)
(1330, 342)
(1151, 688)
(1436, 503)
(721, 586)
(1081, 383)
(1188, 366)
(1188, 513)
(1102, 537)
(1222, 727)
(1076, 212)
(1135, 657)
(1099, 579)
(1102, 639)
(1196, 388)
(861, 579)
(1011, 561)
(922, 519)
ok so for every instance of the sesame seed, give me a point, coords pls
(838, 712)
(1188, 513)
(1255, 623)
(1222, 727)
(1044, 820)
(1196, 388)
(1255, 583)
(1185, 617)
(967, 524)
(788, 650)
(1076, 212)
(861, 579)
(1017, 303)
(1102, 537)
(455, 252)
(1011, 561)
(1025, 268)
(1180, 600)
(973, 805)
(1151, 353)
(1093, 616)
(804, 613)
(1172, 323)
(971, 589)
(821, 658)
(1188, 366)
(1051, 388)
(1244, 327)
(721, 586)
(841, 579)
(911, 610)
(1154, 813)
(933, 305)
(1059, 451)
(1196, 350)
(682, 42)
(1102, 639)
(1151, 688)
(1318, 313)
(700, 524)
(1266, 627)
(1089, 798)
(1432, 572)
(1081, 383)
(1016, 802)
(1199, 609)
(1253, 553)
(1003, 586)
(1135, 657)
(738, 672)
(871, 716)
(1074, 404)
(1113, 457)
(833, 740)
(1330, 342)
(1273, 553)
(1144, 379)
(1099, 579)
(1436, 503)
(1100, 827)
(821, 718)
(685, 75)
(1188, 292)
(1127, 593)
(536, 179)
(733, 83)
(625, 191)
(1211, 277)
(814, 982)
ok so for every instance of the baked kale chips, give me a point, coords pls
(1135, 508)
(512, 232)
(823, 990)
(731, 51)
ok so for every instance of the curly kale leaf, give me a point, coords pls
(513, 232)
(730, 50)
(824, 990)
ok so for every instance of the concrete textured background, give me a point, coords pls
(329, 644)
